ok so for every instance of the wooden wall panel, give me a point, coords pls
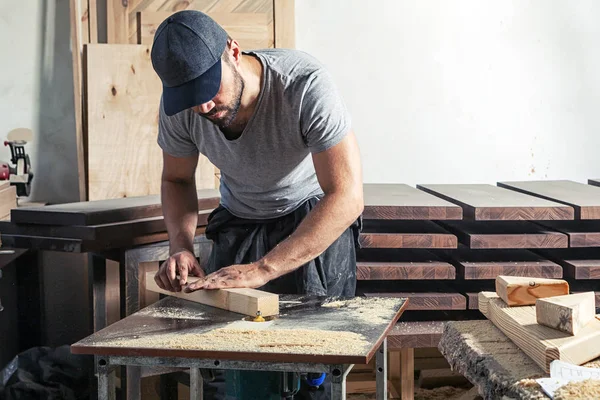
(123, 94)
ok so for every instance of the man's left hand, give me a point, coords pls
(235, 276)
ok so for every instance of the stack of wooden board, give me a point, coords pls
(8, 199)
(96, 225)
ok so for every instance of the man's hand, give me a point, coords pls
(183, 263)
(235, 276)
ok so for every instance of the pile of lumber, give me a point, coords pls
(96, 225)
(8, 199)
(544, 319)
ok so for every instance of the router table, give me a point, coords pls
(310, 335)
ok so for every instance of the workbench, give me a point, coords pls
(310, 334)
(491, 361)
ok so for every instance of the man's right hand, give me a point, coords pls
(182, 263)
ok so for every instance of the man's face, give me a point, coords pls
(223, 108)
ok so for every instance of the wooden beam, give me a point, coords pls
(578, 263)
(241, 300)
(569, 313)
(285, 23)
(541, 343)
(117, 21)
(401, 264)
(522, 291)
(405, 234)
(581, 233)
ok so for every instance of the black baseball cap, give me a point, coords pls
(186, 55)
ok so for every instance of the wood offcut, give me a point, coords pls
(521, 290)
(568, 313)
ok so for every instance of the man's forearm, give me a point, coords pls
(180, 210)
(321, 227)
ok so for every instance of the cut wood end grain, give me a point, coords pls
(567, 313)
(521, 291)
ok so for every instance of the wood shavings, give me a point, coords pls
(172, 313)
(374, 310)
(582, 390)
(292, 341)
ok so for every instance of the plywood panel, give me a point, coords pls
(585, 199)
(401, 201)
(251, 30)
(488, 202)
(123, 94)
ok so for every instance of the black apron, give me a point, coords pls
(242, 241)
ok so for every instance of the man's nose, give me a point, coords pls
(205, 107)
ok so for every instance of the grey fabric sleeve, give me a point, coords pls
(324, 118)
(174, 136)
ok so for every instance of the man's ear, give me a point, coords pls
(235, 51)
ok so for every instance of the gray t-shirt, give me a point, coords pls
(268, 171)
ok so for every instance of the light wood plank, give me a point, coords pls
(522, 291)
(569, 313)
(285, 23)
(488, 203)
(240, 300)
(400, 202)
(541, 343)
(585, 199)
(117, 21)
(8, 199)
(93, 21)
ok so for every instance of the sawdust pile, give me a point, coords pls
(374, 310)
(172, 313)
(583, 390)
(296, 341)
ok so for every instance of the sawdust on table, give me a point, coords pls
(290, 341)
(582, 390)
(172, 313)
(439, 393)
(374, 310)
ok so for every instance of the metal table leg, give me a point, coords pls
(196, 384)
(338, 381)
(106, 381)
(381, 371)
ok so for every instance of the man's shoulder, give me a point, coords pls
(289, 63)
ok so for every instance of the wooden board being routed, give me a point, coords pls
(401, 201)
(584, 233)
(585, 199)
(104, 211)
(405, 234)
(401, 264)
(309, 329)
(577, 263)
(541, 343)
(245, 301)
(123, 96)
(488, 264)
(428, 301)
(504, 235)
(489, 203)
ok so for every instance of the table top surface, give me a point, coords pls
(308, 329)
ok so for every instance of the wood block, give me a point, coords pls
(489, 203)
(585, 199)
(505, 235)
(8, 200)
(403, 202)
(402, 264)
(569, 313)
(241, 300)
(406, 234)
(541, 343)
(581, 233)
(522, 291)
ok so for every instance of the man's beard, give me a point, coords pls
(231, 110)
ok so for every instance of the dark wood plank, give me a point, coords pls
(581, 233)
(472, 300)
(585, 199)
(428, 301)
(505, 235)
(105, 232)
(488, 264)
(405, 234)
(103, 211)
(403, 264)
(413, 335)
(401, 201)
(580, 263)
(483, 202)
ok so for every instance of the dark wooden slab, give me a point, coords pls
(505, 235)
(585, 199)
(402, 264)
(104, 211)
(428, 301)
(488, 264)
(401, 201)
(413, 335)
(581, 233)
(160, 322)
(472, 300)
(405, 234)
(491, 203)
(106, 232)
(580, 263)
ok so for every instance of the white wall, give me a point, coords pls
(464, 91)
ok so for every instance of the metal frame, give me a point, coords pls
(106, 366)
